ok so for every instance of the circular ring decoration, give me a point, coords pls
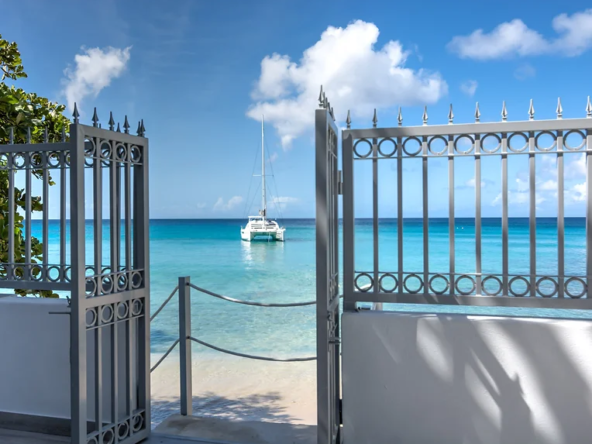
(106, 153)
(92, 440)
(493, 150)
(542, 133)
(89, 152)
(546, 295)
(577, 295)
(574, 148)
(438, 153)
(137, 422)
(68, 159)
(519, 278)
(18, 273)
(68, 274)
(137, 306)
(108, 436)
(461, 137)
(388, 290)
(36, 160)
(89, 271)
(93, 287)
(54, 159)
(120, 152)
(392, 153)
(105, 270)
(107, 284)
(518, 150)
(36, 273)
(51, 276)
(107, 314)
(19, 161)
(91, 317)
(438, 276)
(123, 430)
(3, 161)
(460, 278)
(412, 275)
(122, 310)
(135, 155)
(121, 281)
(3, 272)
(136, 280)
(415, 153)
(369, 286)
(361, 156)
(494, 293)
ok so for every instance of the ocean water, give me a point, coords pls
(212, 254)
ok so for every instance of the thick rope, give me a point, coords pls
(164, 303)
(256, 304)
(242, 355)
(165, 355)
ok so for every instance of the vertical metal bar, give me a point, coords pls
(185, 346)
(11, 210)
(426, 230)
(478, 268)
(324, 409)
(347, 163)
(118, 212)
(128, 219)
(588, 211)
(400, 214)
(45, 261)
(63, 156)
(451, 220)
(532, 212)
(98, 375)
(28, 191)
(114, 202)
(129, 365)
(504, 214)
(375, 286)
(98, 217)
(78, 370)
(115, 369)
(560, 218)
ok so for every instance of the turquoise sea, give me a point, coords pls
(212, 254)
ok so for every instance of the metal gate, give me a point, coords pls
(327, 268)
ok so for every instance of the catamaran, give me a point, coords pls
(261, 226)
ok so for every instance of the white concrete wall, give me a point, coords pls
(456, 379)
(35, 359)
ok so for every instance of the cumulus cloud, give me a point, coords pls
(93, 71)
(232, 203)
(469, 87)
(354, 74)
(515, 38)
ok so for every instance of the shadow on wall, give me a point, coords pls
(457, 379)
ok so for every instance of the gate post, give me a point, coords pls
(185, 346)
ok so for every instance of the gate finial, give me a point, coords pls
(111, 121)
(589, 109)
(425, 115)
(374, 119)
(400, 117)
(348, 120)
(321, 100)
(143, 128)
(450, 116)
(477, 113)
(531, 111)
(139, 130)
(118, 128)
(75, 114)
(95, 118)
(126, 126)
(559, 109)
(504, 112)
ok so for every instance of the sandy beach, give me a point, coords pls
(238, 388)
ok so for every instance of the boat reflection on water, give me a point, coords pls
(260, 250)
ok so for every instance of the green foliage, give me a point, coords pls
(21, 110)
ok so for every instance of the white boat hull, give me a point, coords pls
(275, 233)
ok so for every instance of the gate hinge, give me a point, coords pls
(339, 183)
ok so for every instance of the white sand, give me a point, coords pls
(238, 388)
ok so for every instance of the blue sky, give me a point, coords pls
(193, 71)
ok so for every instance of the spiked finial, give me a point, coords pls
(63, 133)
(11, 136)
(45, 136)
(504, 112)
(374, 119)
(348, 120)
(111, 121)
(325, 101)
(477, 113)
(118, 128)
(321, 100)
(126, 126)
(531, 111)
(589, 109)
(559, 109)
(95, 119)
(400, 117)
(425, 115)
(143, 128)
(28, 135)
(139, 130)
(75, 114)
(450, 116)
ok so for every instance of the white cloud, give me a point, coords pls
(524, 72)
(283, 202)
(469, 87)
(577, 167)
(515, 38)
(273, 157)
(354, 74)
(576, 193)
(94, 70)
(232, 203)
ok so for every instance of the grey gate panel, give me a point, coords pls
(327, 268)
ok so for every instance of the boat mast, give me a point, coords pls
(263, 201)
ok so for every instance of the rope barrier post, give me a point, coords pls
(185, 346)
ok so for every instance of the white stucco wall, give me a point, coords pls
(35, 359)
(457, 379)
